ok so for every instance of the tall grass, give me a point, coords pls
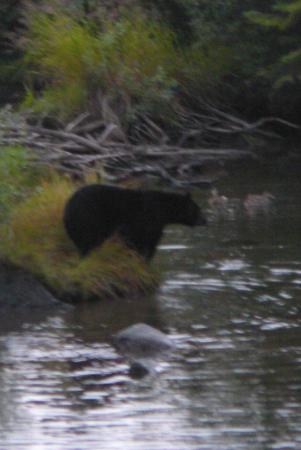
(35, 240)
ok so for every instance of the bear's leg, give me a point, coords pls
(88, 241)
(142, 239)
(85, 248)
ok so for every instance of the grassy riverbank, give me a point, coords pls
(33, 238)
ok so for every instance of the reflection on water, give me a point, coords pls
(230, 299)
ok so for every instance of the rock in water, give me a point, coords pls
(142, 345)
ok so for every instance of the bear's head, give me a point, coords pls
(192, 213)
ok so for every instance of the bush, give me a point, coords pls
(35, 240)
(286, 18)
(17, 177)
(11, 69)
(283, 71)
(133, 58)
(64, 57)
(204, 68)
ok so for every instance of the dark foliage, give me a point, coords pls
(11, 72)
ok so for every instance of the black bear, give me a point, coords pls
(95, 212)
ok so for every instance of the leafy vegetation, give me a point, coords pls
(285, 17)
(147, 55)
(17, 177)
(10, 65)
(35, 240)
(283, 69)
(134, 60)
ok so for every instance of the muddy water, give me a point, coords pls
(230, 299)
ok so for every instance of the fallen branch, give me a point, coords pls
(69, 136)
(75, 123)
(86, 143)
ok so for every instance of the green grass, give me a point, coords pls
(35, 240)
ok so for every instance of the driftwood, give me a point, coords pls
(88, 143)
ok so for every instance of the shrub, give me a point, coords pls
(133, 58)
(203, 68)
(286, 18)
(17, 177)
(64, 56)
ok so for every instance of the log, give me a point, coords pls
(69, 136)
(84, 142)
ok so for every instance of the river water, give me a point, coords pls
(230, 299)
